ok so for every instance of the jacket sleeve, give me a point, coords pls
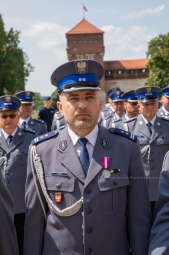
(159, 240)
(34, 218)
(8, 239)
(139, 214)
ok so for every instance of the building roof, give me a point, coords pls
(84, 27)
(126, 64)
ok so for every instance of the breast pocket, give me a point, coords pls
(162, 140)
(61, 190)
(113, 191)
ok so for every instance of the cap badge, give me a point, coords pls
(81, 67)
(27, 93)
(148, 90)
(8, 99)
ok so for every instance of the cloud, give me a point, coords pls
(146, 12)
(122, 43)
(46, 35)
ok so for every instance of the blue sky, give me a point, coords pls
(128, 27)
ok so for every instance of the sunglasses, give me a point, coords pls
(11, 116)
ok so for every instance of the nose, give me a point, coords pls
(82, 104)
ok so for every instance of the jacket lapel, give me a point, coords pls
(17, 139)
(102, 148)
(141, 127)
(3, 143)
(156, 131)
(68, 155)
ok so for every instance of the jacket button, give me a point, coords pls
(89, 210)
(89, 230)
(89, 250)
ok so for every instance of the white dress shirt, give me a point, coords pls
(91, 137)
(20, 122)
(6, 135)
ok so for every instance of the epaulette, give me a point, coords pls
(45, 137)
(124, 133)
(29, 130)
(108, 114)
(39, 121)
(164, 118)
(128, 121)
(59, 115)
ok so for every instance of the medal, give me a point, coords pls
(105, 162)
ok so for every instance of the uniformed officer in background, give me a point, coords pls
(8, 239)
(46, 113)
(153, 136)
(25, 113)
(164, 109)
(117, 104)
(81, 197)
(58, 121)
(14, 144)
(130, 105)
(159, 241)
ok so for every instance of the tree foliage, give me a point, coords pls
(38, 102)
(55, 98)
(158, 52)
(14, 65)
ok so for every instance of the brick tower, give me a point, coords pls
(85, 41)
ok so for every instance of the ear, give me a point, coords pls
(59, 106)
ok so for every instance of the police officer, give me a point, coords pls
(8, 240)
(159, 244)
(164, 109)
(46, 113)
(81, 198)
(58, 121)
(14, 143)
(25, 113)
(153, 137)
(117, 103)
(130, 105)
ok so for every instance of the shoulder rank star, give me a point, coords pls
(58, 197)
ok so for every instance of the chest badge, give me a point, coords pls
(58, 197)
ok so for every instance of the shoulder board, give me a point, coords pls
(38, 121)
(45, 137)
(164, 118)
(59, 116)
(123, 133)
(29, 130)
(128, 121)
(108, 114)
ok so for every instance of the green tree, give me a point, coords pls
(55, 98)
(158, 65)
(38, 102)
(14, 65)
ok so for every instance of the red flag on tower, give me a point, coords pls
(85, 8)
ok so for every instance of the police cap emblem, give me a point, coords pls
(148, 90)
(81, 67)
(8, 99)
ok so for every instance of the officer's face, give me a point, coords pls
(118, 107)
(131, 109)
(148, 109)
(81, 110)
(25, 110)
(9, 120)
(165, 102)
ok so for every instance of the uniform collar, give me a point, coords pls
(165, 110)
(92, 136)
(151, 121)
(6, 134)
(22, 120)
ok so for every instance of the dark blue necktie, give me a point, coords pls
(84, 155)
(149, 125)
(10, 138)
(24, 125)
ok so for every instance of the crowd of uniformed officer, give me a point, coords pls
(91, 185)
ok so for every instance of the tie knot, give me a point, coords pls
(24, 124)
(10, 137)
(83, 141)
(149, 124)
